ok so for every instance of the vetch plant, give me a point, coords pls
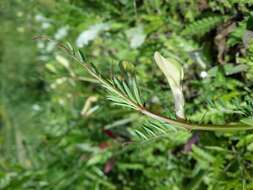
(126, 92)
(76, 138)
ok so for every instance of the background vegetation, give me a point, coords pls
(57, 129)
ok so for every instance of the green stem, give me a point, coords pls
(190, 126)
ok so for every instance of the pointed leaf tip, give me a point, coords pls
(171, 68)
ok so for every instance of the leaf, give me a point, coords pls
(202, 155)
(202, 26)
(117, 84)
(130, 166)
(250, 147)
(136, 91)
(100, 157)
(136, 36)
(231, 69)
(88, 35)
(245, 140)
(63, 61)
(152, 130)
(171, 68)
(81, 56)
(248, 121)
(174, 74)
(247, 38)
(128, 92)
(70, 47)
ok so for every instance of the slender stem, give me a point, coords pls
(190, 126)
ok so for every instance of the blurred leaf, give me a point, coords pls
(136, 36)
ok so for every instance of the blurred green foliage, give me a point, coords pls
(57, 131)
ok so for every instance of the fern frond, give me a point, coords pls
(202, 26)
(216, 111)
